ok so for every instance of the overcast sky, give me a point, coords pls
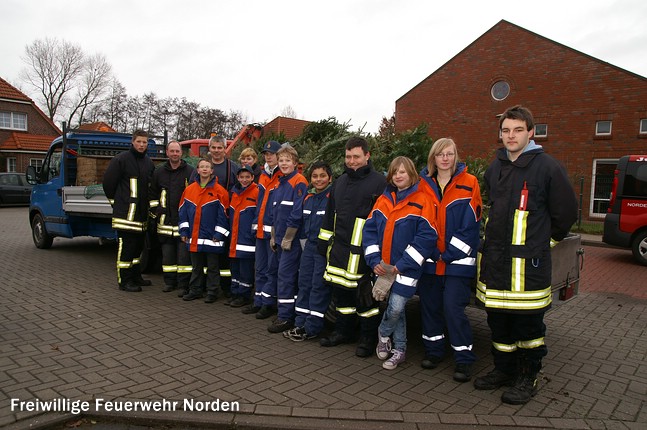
(351, 59)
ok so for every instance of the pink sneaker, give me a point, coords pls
(395, 359)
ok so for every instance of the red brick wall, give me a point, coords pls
(564, 88)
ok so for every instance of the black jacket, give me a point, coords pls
(351, 199)
(167, 186)
(126, 183)
(531, 202)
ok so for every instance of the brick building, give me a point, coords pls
(290, 127)
(25, 131)
(588, 113)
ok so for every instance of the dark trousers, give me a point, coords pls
(287, 277)
(517, 337)
(442, 304)
(128, 253)
(313, 296)
(200, 260)
(176, 262)
(266, 274)
(242, 277)
(264, 259)
(354, 303)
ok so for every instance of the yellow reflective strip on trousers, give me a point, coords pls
(519, 227)
(346, 311)
(518, 275)
(356, 238)
(530, 344)
(369, 313)
(163, 198)
(504, 347)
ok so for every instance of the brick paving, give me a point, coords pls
(67, 332)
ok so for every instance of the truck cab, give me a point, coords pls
(67, 198)
(625, 224)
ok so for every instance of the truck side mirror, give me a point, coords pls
(32, 176)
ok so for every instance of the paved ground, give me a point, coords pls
(66, 332)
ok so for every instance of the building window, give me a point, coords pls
(500, 90)
(601, 190)
(602, 128)
(643, 126)
(37, 163)
(541, 130)
(13, 120)
(11, 164)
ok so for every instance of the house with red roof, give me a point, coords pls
(290, 127)
(25, 130)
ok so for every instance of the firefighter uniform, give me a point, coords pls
(351, 199)
(532, 204)
(204, 224)
(286, 214)
(313, 295)
(242, 246)
(445, 288)
(265, 257)
(126, 183)
(167, 186)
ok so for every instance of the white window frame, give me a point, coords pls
(13, 120)
(597, 127)
(36, 162)
(11, 164)
(593, 199)
(541, 135)
(642, 127)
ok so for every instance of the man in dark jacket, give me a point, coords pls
(167, 185)
(126, 183)
(340, 239)
(532, 206)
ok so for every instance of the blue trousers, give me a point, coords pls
(442, 302)
(394, 321)
(287, 277)
(313, 296)
(266, 262)
(242, 277)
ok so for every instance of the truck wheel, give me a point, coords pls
(639, 248)
(42, 239)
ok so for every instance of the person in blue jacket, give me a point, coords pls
(445, 287)
(398, 236)
(286, 206)
(204, 227)
(313, 295)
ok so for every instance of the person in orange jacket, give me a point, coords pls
(204, 228)
(242, 247)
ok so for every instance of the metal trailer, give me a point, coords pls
(567, 260)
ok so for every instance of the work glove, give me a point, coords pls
(383, 283)
(273, 240)
(286, 243)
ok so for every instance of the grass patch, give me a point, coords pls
(588, 227)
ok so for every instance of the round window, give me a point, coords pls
(500, 90)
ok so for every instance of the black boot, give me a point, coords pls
(525, 386)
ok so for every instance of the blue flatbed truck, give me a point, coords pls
(67, 198)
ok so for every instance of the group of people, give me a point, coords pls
(366, 241)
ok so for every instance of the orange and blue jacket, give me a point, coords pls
(203, 217)
(287, 204)
(401, 231)
(266, 184)
(458, 220)
(242, 211)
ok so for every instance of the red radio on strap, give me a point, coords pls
(523, 201)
